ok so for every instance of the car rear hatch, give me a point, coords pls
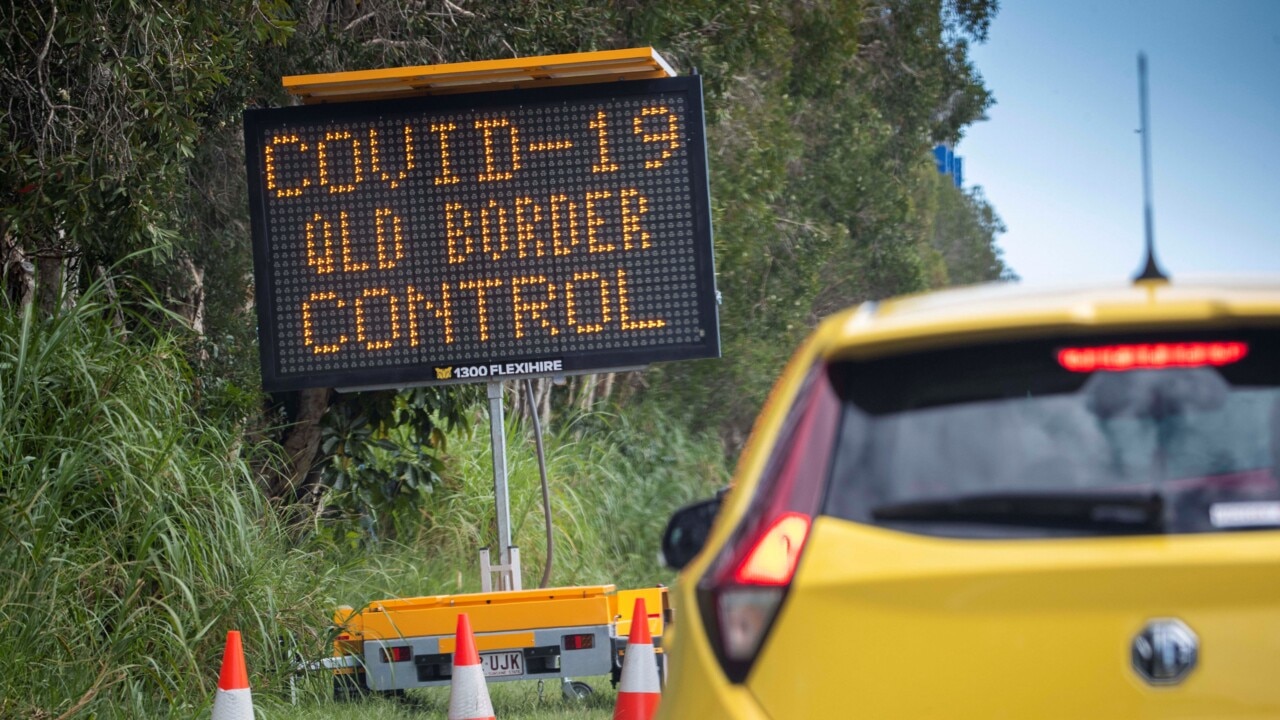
(880, 623)
(1061, 527)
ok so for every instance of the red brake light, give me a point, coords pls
(399, 653)
(578, 641)
(741, 594)
(773, 559)
(1151, 356)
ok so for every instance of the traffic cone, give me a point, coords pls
(233, 701)
(468, 694)
(638, 690)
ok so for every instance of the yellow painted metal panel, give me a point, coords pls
(501, 641)
(624, 603)
(500, 598)
(542, 71)
(384, 621)
(1020, 628)
(695, 686)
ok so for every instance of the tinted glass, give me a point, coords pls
(1009, 421)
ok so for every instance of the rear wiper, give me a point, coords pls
(1111, 512)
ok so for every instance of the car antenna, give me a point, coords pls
(1152, 270)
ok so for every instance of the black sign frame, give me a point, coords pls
(259, 122)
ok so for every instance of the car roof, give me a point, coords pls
(1007, 311)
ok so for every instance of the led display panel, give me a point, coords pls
(472, 237)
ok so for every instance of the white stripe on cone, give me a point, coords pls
(233, 705)
(641, 674)
(468, 694)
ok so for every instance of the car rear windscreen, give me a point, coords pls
(1142, 433)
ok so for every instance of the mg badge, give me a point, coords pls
(1165, 651)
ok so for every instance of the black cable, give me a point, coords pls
(542, 472)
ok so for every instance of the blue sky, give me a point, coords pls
(1060, 160)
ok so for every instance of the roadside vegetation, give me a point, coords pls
(136, 530)
(510, 700)
(152, 496)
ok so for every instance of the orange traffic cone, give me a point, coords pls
(468, 694)
(638, 690)
(233, 701)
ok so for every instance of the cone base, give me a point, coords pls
(469, 695)
(636, 706)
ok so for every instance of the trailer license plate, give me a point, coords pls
(502, 663)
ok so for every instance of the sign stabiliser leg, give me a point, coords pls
(508, 567)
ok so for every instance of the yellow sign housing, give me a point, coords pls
(483, 75)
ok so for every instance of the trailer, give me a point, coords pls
(551, 634)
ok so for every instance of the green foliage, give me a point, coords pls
(722, 42)
(106, 105)
(134, 533)
(359, 35)
(964, 232)
(614, 480)
(822, 194)
(380, 451)
(120, 134)
(511, 701)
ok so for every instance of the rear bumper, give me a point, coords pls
(696, 687)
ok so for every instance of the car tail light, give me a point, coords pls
(773, 559)
(741, 594)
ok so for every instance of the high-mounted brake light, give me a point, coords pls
(1152, 356)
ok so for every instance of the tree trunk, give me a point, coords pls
(607, 391)
(193, 310)
(302, 443)
(544, 413)
(192, 305)
(17, 274)
(586, 392)
(51, 275)
(113, 297)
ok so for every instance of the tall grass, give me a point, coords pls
(132, 534)
(614, 479)
(511, 701)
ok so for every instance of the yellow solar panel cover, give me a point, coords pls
(543, 71)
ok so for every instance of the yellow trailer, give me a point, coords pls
(390, 646)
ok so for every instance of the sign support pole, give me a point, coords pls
(508, 567)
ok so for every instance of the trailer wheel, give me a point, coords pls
(576, 690)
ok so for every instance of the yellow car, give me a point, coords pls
(998, 503)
